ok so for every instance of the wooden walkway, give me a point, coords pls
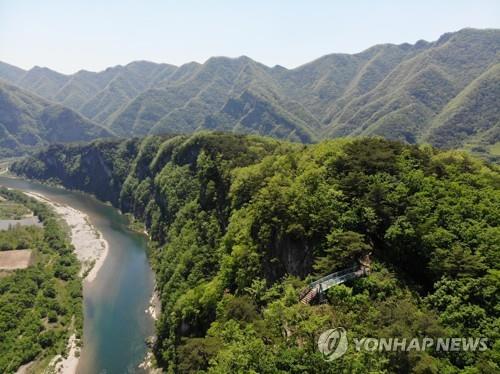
(318, 287)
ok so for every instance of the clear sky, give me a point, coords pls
(68, 35)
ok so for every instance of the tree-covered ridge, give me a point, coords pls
(442, 92)
(240, 224)
(451, 127)
(95, 95)
(28, 122)
(41, 306)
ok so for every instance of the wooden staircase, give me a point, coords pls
(310, 295)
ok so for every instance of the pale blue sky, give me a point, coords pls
(71, 35)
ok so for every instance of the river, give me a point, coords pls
(115, 324)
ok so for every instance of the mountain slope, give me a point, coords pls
(396, 91)
(239, 226)
(42, 81)
(28, 122)
(477, 104)
(95, 95)
(10, 73)
(128, 82)
(202, 98)
(405, 103)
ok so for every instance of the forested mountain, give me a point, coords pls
(440, 92)
(28, 122)
(240, 224)
(223, 94)
(405, 103)
(96, 95)
(478, 103)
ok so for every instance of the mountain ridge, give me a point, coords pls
(397, 91)
(28, 122)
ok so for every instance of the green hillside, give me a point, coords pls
(404, 105)
(28, 122)
(240, 224)
(414, 93)
(96, 95)
(477, 104)
(208, 99)
(42, 81)
(126, 84)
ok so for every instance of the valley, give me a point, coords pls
(216, 212)
(239, 225)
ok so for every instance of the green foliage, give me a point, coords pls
(20, 237)
(443, 92)
(343, 248)
(238, 224)
(196, 353)
(41, 306)
(471, 116)
(10, 210)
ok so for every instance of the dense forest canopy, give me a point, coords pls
(240, 224)
(444, 93)
(40, 306)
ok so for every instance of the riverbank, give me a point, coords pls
(154, 307)
(69, 364)
(116, 328)
(91, 250)
(153, 310)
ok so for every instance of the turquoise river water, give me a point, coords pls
(115, 323)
